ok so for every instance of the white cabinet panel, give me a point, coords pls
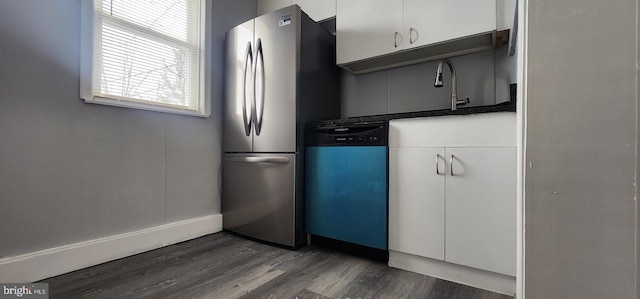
(367, 28)
(416, 201)
(433, 21)
(266, 6)
(318, 10)
(481, 208)
(505, 13)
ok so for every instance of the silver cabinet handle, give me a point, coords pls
(395, 39)
(279, 160)
(451, 165)
(258, 117)
(247, 60)
(411, 40)
(437, 166)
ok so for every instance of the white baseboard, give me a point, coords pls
(59, 260)
(486, 280)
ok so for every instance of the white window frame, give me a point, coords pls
(86, 66)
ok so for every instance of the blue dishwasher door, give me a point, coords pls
(346, 194)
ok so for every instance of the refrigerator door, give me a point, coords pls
(258, 192)
(276, 69)
(239, 89)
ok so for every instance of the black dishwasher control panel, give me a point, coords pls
(367, 134)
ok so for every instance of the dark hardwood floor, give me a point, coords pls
(226, 266)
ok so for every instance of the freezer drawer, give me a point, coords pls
(258, 196)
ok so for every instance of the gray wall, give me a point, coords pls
(484, 77)
(71, 171)
(581, 145)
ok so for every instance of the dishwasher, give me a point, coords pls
(346, 188)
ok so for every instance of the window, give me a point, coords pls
(146, 54)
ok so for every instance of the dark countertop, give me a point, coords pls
(502, 107)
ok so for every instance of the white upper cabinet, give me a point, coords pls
(318, 10)
(432, 21)
(367, 28)
(378, 34)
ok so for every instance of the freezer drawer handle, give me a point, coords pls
(279, 160)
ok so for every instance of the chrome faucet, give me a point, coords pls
(454, 92)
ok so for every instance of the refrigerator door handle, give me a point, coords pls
(277, 160)
(247, 119)
(260, 58)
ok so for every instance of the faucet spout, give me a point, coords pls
(454, 88)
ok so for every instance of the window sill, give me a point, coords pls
(148, 107)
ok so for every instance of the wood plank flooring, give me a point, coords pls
(223, 265)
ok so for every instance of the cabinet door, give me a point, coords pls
(367, 28)
(433, 21)
(318, 10)
(481, 208)
(416, 201)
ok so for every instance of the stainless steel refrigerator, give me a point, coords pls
(280, 74)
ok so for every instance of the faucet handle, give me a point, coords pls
(463, 102)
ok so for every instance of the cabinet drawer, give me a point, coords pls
(488, 129)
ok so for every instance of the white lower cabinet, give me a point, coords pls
(452, 199)
(454, 204)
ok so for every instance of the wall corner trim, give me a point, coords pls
(50, 262)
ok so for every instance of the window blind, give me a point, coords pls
(148, 52)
